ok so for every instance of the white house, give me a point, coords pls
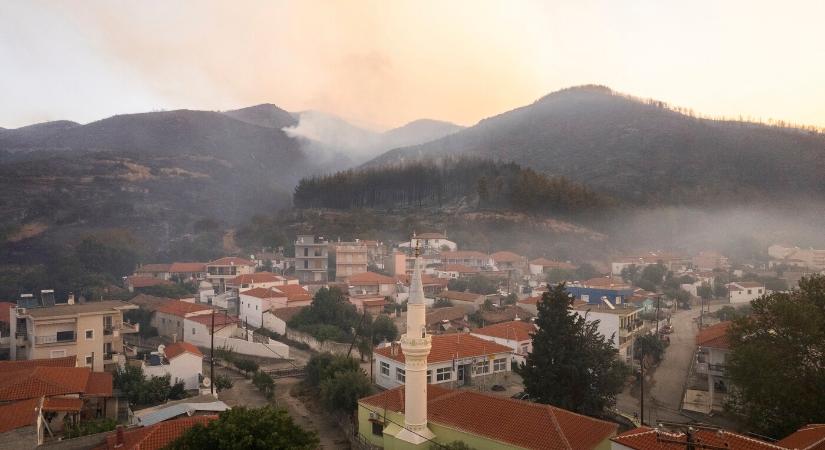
(229, 335)
(254, 303)
(622, 322)
(430, 242)
(516, 334)
(372, 283)
(712, 357)
(541, 266)
(182, 361)
(745, 291)
(455, 359)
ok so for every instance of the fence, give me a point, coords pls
(336, 348)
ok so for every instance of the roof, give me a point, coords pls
(459, 296)
(605, 282)
(370, 278)
(18, 414)
(100, 384)
(166, 412)
(374, 302)
(809, 437)
(220, 319)
(10, 366)
(149, 302)
(5, 311)
(745, 285)
(231, 261)
(287, 313)
(178, 348)
(153, 268)
(294, 292)
(430, 236)
(79, 308)
(544, 262)
(43, 381)
(142, 282)
(645, 438)
(426, 280)
(445, 347)
(515, 422)
(460, 268)
(259, 277)
(463, 254)
(156, 436)
(62, 404)
(714, 336)
(534, 300)
(506, 256)
(187, 267)
(181, 308)
(448, 313)
(262, 292)
(508, 313)
(517, 330)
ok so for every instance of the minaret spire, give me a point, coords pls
(416, 344)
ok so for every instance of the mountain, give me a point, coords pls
(640, 151)
(24, 137)
(265, 115)
(418, 132)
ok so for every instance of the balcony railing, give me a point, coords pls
(55, 339)
(716, 368)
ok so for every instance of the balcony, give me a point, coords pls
(59, 338)
(122, 327)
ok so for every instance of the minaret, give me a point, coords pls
(416, 344)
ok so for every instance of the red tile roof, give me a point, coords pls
(515, 422)
(173, 350)
(714, 336)
(43, 381)
(809, 437)
(644, 438)
(459, 296)
(187, 267)
(370, 278)
(517, 330)
(5, 311)
(18, 414)
(62, 404)
(231, 261)
(445, 347)
(287, 313)
(259, 277)
(153, 268)
(506, 256)
(10, 366)
(544, 262)
(180, 308)
(154, 437)
(99, 385)
(534, 300)
(142, 282)
(220, 319)
(261, 292)
(294, 293)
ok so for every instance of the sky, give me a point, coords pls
(384, 63)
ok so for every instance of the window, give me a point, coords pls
(429, 376)
(482, 367)
(749, 292)
(306, 252)
(378, 428)
(89, 360)
(385, 369)
(90, 334)
(499, 365)
(163, 321)
(256, 307)
(193, 331)
(443, 374)
(400, 375)
(57, 353)
(306, 264)
(759, 291)
(524, 348)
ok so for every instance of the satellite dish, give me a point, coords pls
(206, 382)
(161, 349)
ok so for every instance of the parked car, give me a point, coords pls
(498, 388)
(521, 396)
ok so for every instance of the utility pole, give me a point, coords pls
(212, 355)
(642, 372)
(658, 304)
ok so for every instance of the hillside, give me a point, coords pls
(640, 151)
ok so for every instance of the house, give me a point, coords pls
(517, 334)
(376, 252)
(370, 303)
(468, 300)
(499, 314)
(200, 405)
(153, 437)
(469, 258)
(254, 303)
(169, 317)
(509, 261)
(372, 283)
(93, 332)
(713, 348)
(810, 258)
(645, 438)
(540, 266)
(809, 437)
(456, 359)
(153, 271)
(311, 259)
(55, 386)
(745, 291)
(258, 279)
(480, 420)
(595, 290)
(430, 243)
(619, 323)
(134, 282)
(530, 304)
(219, 271)
(449, 319)
(280, 317)
(671, 261)
(231, 335)
(710, 260)
(432, 285)
(187, 271)
(452, 271)
(182, 361)
(350, 259)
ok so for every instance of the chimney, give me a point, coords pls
(71, 298)
(119, 439)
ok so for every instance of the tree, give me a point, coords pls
(649, 345)
(246, 366)
(222, 382)
(705, 291)
(442, 303)
(572, 366)
(585, 271)
(264, 382)
(241, 428)
(138, 389)
(558, 275)
(113, 253)
(481, 285)
(776, 360)
(324, 365)
(383, 329)
(329, 317)
(342, 391)
(457, 284)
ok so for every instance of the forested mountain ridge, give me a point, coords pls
(640, 151)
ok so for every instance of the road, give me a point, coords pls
(663, 393)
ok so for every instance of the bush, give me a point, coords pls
(246, 365)
(178, 391)
(324, 365)
(442, 303)
(90, 427)
(264, 382)
(141, 391)
(222, 382)
(342, 391)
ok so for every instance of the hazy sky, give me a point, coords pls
(388, 62)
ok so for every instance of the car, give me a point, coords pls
(521, 396)
(498, 388)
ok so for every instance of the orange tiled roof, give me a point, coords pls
(99, 384)
(187, 267)
(18, 414)
(294, 293)
(259, 277)
(448, 346)
(10, 366)
(153, 268)
(438, 315)
(142, 282)
(62, 404)
(430, 236)
(369, 278)
(809, 437)
(287, 313)
(173, 350)
(180, 308)
(714, 336)
(605, 282)
(516, 422)
(518, 330)
(644, 438)
(43, 381)
(231, 261)
(459, 296)
(544, 262)
(154, 437)
(262, 292)
(220, 319)
(534, 300)
(506, 256)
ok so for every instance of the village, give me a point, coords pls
(180, 342)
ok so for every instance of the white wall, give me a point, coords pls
(608, 324)
(744, 297)
(250, 310)
(185, 367)
(518, 355)
(390, 381)
(227, 337)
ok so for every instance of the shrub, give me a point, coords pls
(246, 365)
(264, 382)
(222, 382)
